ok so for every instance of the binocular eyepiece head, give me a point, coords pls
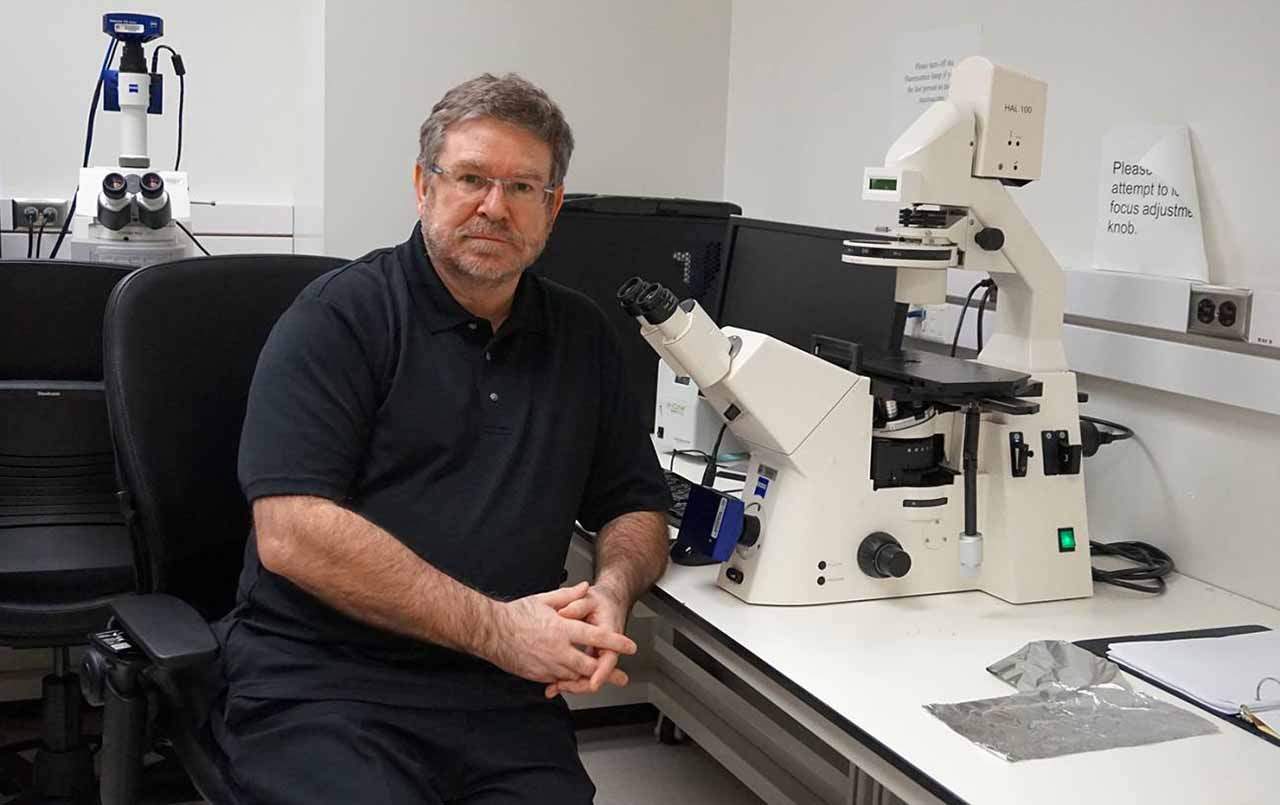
(650, 300)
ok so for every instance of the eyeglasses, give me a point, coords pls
(471, 186)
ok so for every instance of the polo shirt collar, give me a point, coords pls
(443, 312)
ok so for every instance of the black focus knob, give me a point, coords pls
(990, 239)
(750, 530)
(881, 557)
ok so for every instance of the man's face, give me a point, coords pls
(490, 236)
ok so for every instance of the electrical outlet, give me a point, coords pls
(1219, 311)
(50, 212)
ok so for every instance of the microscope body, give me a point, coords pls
(835, 520)
(814, 495)
(809, 426)
(131, 239)
(128, 213)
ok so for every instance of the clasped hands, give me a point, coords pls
(569, 638)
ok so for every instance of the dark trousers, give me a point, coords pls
(287, 752)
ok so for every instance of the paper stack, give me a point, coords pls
(1221, 673)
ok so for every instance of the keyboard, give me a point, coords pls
(679, 487)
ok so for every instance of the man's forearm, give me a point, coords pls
(631, 554)
(366, 573)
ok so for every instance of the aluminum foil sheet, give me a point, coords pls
(1070, 701)
(1056, 663)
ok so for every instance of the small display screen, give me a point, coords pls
(884, 184)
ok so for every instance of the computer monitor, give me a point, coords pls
(599, 242)
(788, 281)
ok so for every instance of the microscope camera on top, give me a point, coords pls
(128, 212)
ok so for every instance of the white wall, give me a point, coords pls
(808, 97)
(642, 84)
(245, 63)
(809, 84)
(309, 182)
(1201, 481)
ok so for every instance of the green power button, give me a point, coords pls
(1066, 540)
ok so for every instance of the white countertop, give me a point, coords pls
(877, 663)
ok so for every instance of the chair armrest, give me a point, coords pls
(167, 629)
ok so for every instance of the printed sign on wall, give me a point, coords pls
(1148, 207)
(922, 65)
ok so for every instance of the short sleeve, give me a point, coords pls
(311, 406)
(625, 475)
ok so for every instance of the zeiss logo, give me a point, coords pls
(133, 89)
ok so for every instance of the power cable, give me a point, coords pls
(88, 144)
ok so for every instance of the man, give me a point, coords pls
(424, 426)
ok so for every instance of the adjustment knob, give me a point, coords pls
(881, 557)
(990, 239)
(93, 674)
(750, 530)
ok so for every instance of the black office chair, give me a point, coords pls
(65, 553)
(181, 343)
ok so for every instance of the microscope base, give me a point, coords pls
(818, 505)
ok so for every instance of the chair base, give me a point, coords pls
(61, 778)
(63, 767)
(65, 776)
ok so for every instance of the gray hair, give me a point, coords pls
(510, 99)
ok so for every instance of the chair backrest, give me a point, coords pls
(61, 531)
(55, 451)
(51, 318)
(55, 455)
(181, 344)
(53, 417)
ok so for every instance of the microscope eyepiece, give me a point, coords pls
(151, 185)
(681, 332)
(154, 209)
(657, 304)
(114, 186)
(630, 291)
(115, 209)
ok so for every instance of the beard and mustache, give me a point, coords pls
(456, 249)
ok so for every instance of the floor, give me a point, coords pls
(630, 767)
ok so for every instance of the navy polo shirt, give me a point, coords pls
(475, 449)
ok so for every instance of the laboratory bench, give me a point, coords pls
(827, 703)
